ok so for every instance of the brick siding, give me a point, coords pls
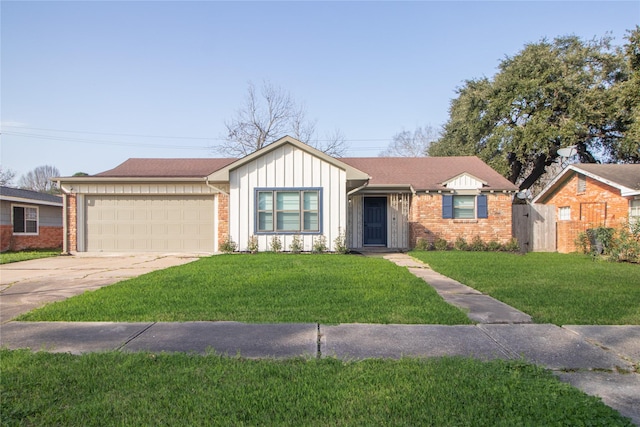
(47, 238)
(599, 205)
(426, 222)
(223, 217)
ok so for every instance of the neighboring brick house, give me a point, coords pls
(284, 190)
(29, 220)
(592, 195)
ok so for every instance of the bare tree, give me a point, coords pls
(411, 144)
(266, 117)
(334, 144)
(6, 176)
(39, 179)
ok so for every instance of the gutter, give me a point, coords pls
(208, 184)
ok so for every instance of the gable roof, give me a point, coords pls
(352, 172)
(428, 173)
(28, 196)
(625, 178)
(165, 168)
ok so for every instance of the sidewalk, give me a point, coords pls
(600, 360)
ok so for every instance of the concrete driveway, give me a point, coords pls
(30, 284)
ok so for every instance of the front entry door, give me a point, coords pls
(375, 221)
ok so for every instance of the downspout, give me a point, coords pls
(208, 184)
(355, 190)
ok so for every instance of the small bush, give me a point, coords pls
(296, 245)
(461, 244)
(625, 243)
(319, 245)
(276, 244)
(600, 239)
(582, 243)
(441, 244)
(422, 244)
(340, 243)
(252, 244)
(512, 245)
(477, 245)
(494, 246)
(228, 245)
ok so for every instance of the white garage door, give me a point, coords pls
(150, 223)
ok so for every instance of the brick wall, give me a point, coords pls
(599, 205)
(426, 222)
(72, 223)
(47, 238)
(223, 217)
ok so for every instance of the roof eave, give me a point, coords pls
(30, 201)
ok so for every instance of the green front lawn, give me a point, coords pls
(7, 257)
(104, 389)
(563, 289)
(266, 288)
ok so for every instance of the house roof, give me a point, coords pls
(352, 172)
(427, 173)
(165, 168)
(28, 196)
(625, 178)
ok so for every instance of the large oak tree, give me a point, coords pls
(551, 95)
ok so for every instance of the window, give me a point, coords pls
(288, 210)
(25, 220)
(564, 213)
(464, 206)
(634, 211)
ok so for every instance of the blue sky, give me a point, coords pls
(86, 85)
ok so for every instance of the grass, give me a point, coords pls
(563, 289)
(7, 257)
(265, 288)
(103, 389)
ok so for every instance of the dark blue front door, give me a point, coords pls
(375, 221)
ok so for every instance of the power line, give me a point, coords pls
(166, 137)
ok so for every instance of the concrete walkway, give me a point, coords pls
(600, 360)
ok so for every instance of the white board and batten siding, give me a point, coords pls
(286, 167)
(464, 182)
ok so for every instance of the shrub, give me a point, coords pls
(582, 243)
(276, 244)
(441, 244)
(340, 243)
(252, 244)
(319, 245)
(461, 244)
(422, 244)
(625, 244)
(494, 246)
(477, 245)
(512, 245)
(296, 245)
(600, 239)
(228, 246)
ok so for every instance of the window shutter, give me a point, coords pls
(447, 206)
(483, 211)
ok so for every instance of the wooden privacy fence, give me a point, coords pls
(535, 227)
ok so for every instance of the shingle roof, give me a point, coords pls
(427, 173)
(169, 168)
(422, 173)
(18, 193)
(627, 175)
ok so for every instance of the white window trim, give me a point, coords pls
(566, 209)
(17, 233)
(634, 211)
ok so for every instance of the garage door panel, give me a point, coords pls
(151, 223)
